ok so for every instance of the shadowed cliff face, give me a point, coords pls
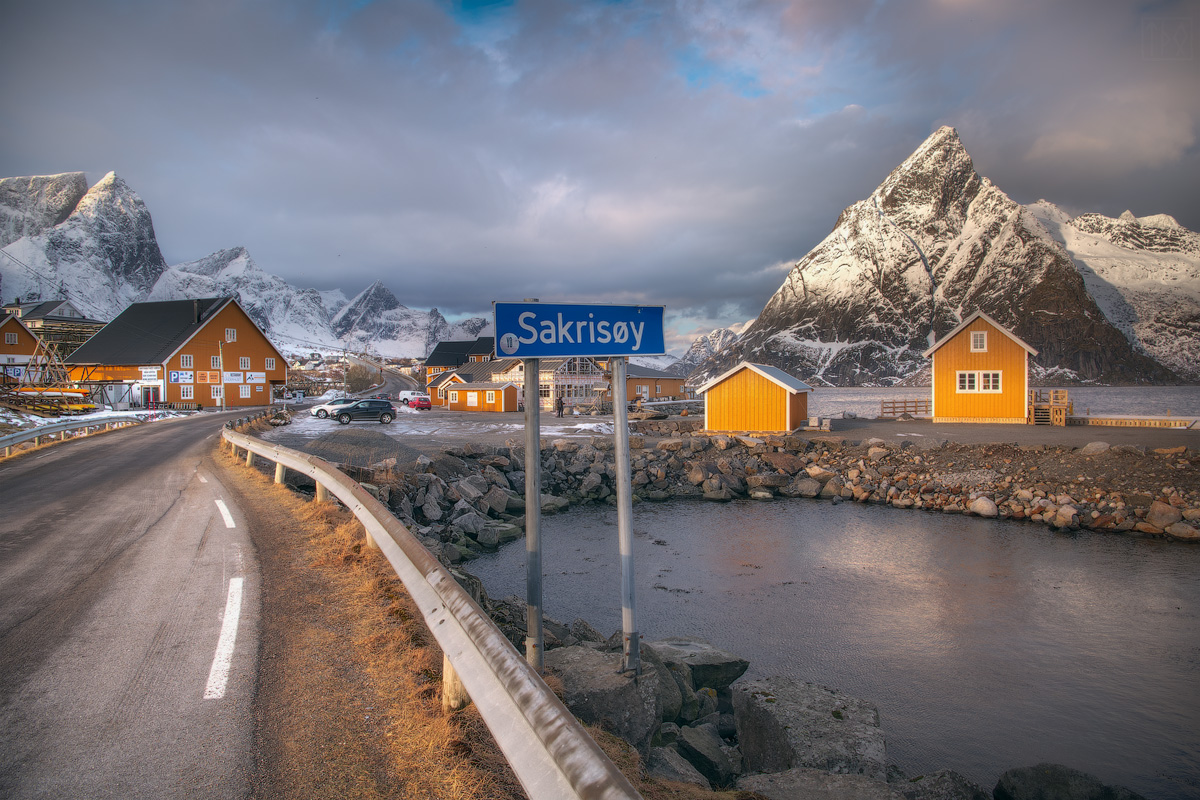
(931, 245)
(29, 206)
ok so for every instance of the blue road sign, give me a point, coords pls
(558, 330)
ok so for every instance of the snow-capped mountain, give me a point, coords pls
(703, 348)
(933, 243)
(96, 247)
(103, 253)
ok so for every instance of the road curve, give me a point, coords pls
(128, 619)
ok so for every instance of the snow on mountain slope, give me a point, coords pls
(1144, 274)
(33, 205)
(102, 257)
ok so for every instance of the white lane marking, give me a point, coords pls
(218, 675)
(225, 513)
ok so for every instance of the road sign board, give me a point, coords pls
(557, 330)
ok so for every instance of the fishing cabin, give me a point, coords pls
(755, 398)
(980, 373)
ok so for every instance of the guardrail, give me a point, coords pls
(550, 752)
(35, 434)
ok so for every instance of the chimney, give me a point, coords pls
(196, 311)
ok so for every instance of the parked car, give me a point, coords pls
(381, 410)
(406, 397)
(323, 410)
(420, 401)
(382, 396)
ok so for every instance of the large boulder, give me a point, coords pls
(945, 784)
(815, 784)
(707, 665)
(1163, 514)
(597, 692)
(702, 747)
(1056, 782)
(784, 723)
(667, 764)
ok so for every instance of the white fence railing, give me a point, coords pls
(550, 752)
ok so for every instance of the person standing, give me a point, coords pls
(558, 406)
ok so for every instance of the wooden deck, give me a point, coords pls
(1049, 407)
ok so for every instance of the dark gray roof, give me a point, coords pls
(449, 354)
(484, 345)
(147, 333)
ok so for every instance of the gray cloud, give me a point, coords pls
(668, 153)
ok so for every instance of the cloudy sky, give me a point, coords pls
(672, 153)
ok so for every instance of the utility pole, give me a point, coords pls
(221, 365)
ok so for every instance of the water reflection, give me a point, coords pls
(986, 645)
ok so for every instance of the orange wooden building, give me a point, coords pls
(17, 346)
(481, 397)
(980, 373)
(755, 398)
(187, 352)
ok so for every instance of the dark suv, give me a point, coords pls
(381, 410)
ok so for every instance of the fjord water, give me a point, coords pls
(985, 644)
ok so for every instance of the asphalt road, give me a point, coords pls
(117, 569)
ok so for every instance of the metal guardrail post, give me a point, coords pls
(280, 472)
(454, 694)
(322, 493)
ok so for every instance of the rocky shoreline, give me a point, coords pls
(775, 737)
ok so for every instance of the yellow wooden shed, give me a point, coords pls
(755, 398)
(980, 373)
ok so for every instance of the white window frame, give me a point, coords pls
(231, 334)
(642, 390)
(185, 361)
(270, 364)
(215, 363)
(441, 393)
(491, 397)
(216, 391)
(244, 390)
(454, 397)
(978, 341)
(10, 337)
(186, 392)
(244, 363)
(979, 382)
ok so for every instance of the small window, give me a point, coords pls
(270, 364)
(185, 392)
(215, 362)
(185, 361)
(441, 393)
(966, 382)
(244, 363)
(244, 390)
(216, 392)
(491, 397)
(231, 334)
(454, 397)
(10, 338)
(989, 381)
(978, 341)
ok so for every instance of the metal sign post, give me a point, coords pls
(534, 642)
(530, 331)
(632, 660)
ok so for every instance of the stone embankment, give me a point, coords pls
(471, 500)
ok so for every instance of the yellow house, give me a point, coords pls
(755, 398)
(481, 397)
(980, 373)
